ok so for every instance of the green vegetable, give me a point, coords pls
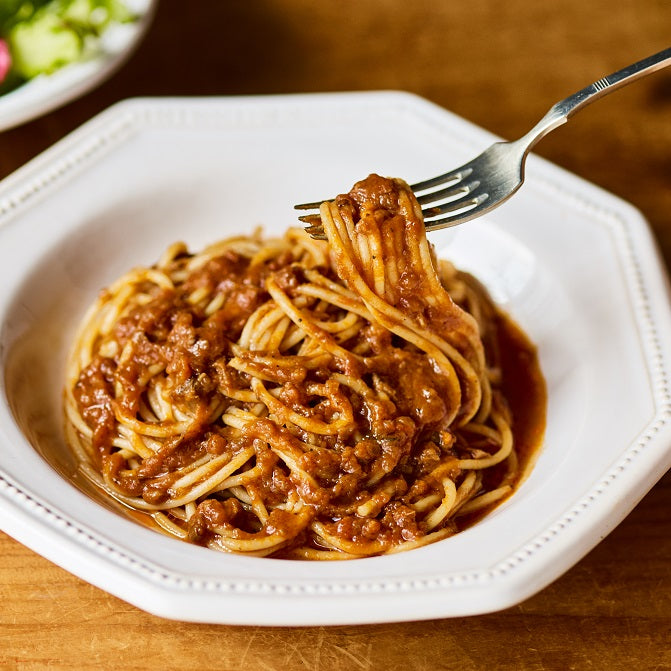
(43, 45)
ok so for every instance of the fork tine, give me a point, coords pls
(311, 219)
(316, 232)
(450, 194)
(457, 212)
(461, 198)
(448, 178)
(309, 206)
(443, 194)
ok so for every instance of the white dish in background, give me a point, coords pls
(575, 266)
(48, 92)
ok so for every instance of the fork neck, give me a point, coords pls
(556, 116)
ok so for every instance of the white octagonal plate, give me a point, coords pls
(575, 266)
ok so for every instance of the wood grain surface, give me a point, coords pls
(500, 65)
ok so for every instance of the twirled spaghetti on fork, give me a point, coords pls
(296, 398)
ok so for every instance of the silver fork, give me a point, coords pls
(492, 177)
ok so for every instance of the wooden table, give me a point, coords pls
(500, 65)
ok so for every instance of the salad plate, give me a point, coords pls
(576, 267)
(44, 91)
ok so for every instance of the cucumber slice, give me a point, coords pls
(42, 45)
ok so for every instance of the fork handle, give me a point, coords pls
(560, 112)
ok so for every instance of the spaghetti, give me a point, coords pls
(294, 398)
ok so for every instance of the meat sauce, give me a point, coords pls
(396, 438)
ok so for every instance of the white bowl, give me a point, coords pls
(47, 92)
(576, 267)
